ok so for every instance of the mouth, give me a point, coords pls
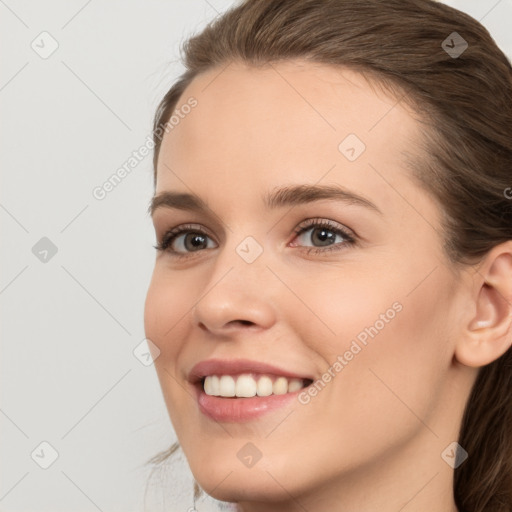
(248, 385)
(243, 390)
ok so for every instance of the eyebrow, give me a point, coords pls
(293, 195)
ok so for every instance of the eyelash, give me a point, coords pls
(349, 239)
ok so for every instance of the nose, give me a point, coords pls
(238, 299)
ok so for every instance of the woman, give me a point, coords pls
(332, 292)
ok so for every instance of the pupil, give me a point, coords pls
(193, 238)
(323, 236)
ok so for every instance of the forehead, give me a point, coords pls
(285, 122)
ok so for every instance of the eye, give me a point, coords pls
(185, 239)
(324, 233)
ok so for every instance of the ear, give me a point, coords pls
(488, 334)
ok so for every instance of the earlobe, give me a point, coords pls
(488, 334)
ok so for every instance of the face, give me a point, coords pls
(340, 285)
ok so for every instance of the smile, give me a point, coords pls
(250, 385)
(243, 390)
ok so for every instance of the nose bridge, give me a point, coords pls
(245, 248)
(236, 289)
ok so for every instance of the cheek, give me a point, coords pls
(346, 307)
(165, 309)
(166, 304)
(384, 346)
(387, 313)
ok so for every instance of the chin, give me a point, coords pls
(268, 480)
(253, 488)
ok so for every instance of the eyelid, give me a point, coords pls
(321, 221)
(170, 236)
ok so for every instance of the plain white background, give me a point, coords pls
(71, 321)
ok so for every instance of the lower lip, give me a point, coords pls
(240, 409)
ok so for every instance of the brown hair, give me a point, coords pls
(464, 159)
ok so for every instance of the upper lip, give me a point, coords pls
(237, 366)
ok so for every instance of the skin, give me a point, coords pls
(372, 439)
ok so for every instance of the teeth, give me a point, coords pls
(280, 386)
(294, 385)
(212, 385)
(227, 386)
(264, 386)
(246, 386)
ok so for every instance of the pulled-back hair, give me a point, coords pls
(464, 158)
